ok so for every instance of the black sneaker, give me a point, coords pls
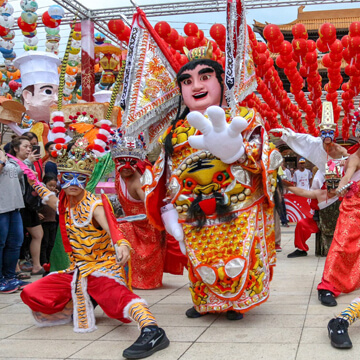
(233, 315)
(338, 333)
(327, 298)
(193, 314)
(151, 340)
(297, 253)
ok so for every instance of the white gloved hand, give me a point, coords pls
(220, 138)
(170, 218)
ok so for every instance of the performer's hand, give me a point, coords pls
(122, 254)
(278, 132)
(170, 218)
(220, 138)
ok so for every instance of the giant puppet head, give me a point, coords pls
(40, 83)
(327, 126)
(201, 80)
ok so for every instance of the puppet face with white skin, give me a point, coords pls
(38, 101)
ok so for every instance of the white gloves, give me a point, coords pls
(170, 217)
(220, 138)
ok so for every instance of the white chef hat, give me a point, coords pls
(38, 67)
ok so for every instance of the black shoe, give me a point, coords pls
(338, 333)
(193, 314)
(151, 340)
(297, 253)
(327, 298)
(233, 315)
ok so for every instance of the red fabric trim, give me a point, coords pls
(58, 129)
(154, 201)
(115, 233)
(62, 209)
(165, 50)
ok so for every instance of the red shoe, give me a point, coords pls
(278, 248)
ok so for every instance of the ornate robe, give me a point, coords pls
(231, 256)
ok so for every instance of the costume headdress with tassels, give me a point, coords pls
(127, 146)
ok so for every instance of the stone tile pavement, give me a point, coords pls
(290, 325)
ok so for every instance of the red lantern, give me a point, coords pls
(183, 60)
(327, 33)
(192, 42)
(311, 45)
(299, 46)
(271, 33)
(337, 47)
(299, 31)
(321, 46)
(48, 21)
(163, 28)
(124, 36)
(285, 48)
(354, 29)
(191, 29)
(77, 27)
(172, 37)
(179, 43)
(346, 55)
(354, 44)
(200, 35)
(311, 57)
(26, 27)
(116, 26)
(218, 32)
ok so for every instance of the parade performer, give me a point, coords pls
(220, 186)
(343, 257)
(318, 150)
(40, 83)
(96, 272)
(129, 155)
(326, 198)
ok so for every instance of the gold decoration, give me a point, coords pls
(202, 52)
(327, 118)
(78, 159)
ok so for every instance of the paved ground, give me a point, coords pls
(291, 325)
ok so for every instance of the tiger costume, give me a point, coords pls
(93, 273)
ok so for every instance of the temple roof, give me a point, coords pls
(314, 19)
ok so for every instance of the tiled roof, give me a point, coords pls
(313, 19)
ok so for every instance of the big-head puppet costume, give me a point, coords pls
(213, 183)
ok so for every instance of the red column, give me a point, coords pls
(87, 60)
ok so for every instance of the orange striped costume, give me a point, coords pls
(93, 272)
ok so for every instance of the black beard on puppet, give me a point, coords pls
(196, 213)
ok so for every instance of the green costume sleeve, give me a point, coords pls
(59, 260)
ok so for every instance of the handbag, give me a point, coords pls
(31, 198)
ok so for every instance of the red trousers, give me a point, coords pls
(51, 293)
(304, 229)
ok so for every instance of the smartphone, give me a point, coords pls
(37, 149)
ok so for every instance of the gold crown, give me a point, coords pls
(202, 52)
(77, 158)
(327, 118)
